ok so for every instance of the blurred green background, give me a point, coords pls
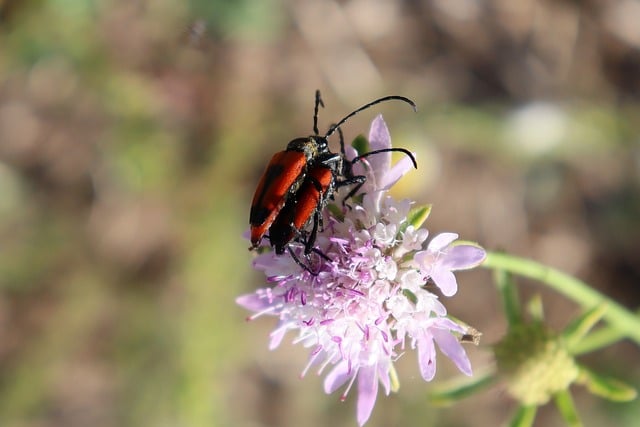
(132, 135)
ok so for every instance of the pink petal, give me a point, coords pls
(379, 139)
(252, 302)
(445, 280)
(438, 308)
(427, 357)
(441, 241)
(276, 338)
(275, 265)
(463, 257)
(450, 325)
(367, 392)
(396, 172)
(350, 152)
(383, 376)
(337, 377)
(360, 168)
(451, 347)
(424, 259)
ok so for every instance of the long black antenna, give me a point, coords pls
(384, 150)
(333, 128)
(315, 112)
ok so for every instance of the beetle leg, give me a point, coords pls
(300, 263)
(308, 246)
(304, 266)
(359, 180)
(317, 218)
(322, 254)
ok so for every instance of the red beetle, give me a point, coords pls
(285, 176)
(317, 188)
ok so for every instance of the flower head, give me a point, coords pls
(368, 302)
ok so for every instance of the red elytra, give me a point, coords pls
(286, 173)
(279, 179)
(301, 210)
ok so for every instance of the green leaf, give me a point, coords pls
(565, 405)
(410, 295)
(418, 215)
(395, 381)
(361, 145)
(600, 338)
(606, 387)
(452, 391)
(580, 327)
(524, 417)
(536, 308)
(336, 212)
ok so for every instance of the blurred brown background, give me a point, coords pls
(132, 134)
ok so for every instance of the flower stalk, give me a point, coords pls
(616, 315)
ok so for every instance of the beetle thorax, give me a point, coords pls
(311, 146)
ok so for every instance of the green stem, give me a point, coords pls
(616, 315)
(598, 339)
(509, 294)
(567, 408)
(524, 416)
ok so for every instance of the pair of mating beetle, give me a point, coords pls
(299, 181)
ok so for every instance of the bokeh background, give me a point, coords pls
(132, 135)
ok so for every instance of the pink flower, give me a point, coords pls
(443, 257)
(368, 301)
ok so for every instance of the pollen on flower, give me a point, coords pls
(366, 301)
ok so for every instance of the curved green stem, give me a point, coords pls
(616, 315)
